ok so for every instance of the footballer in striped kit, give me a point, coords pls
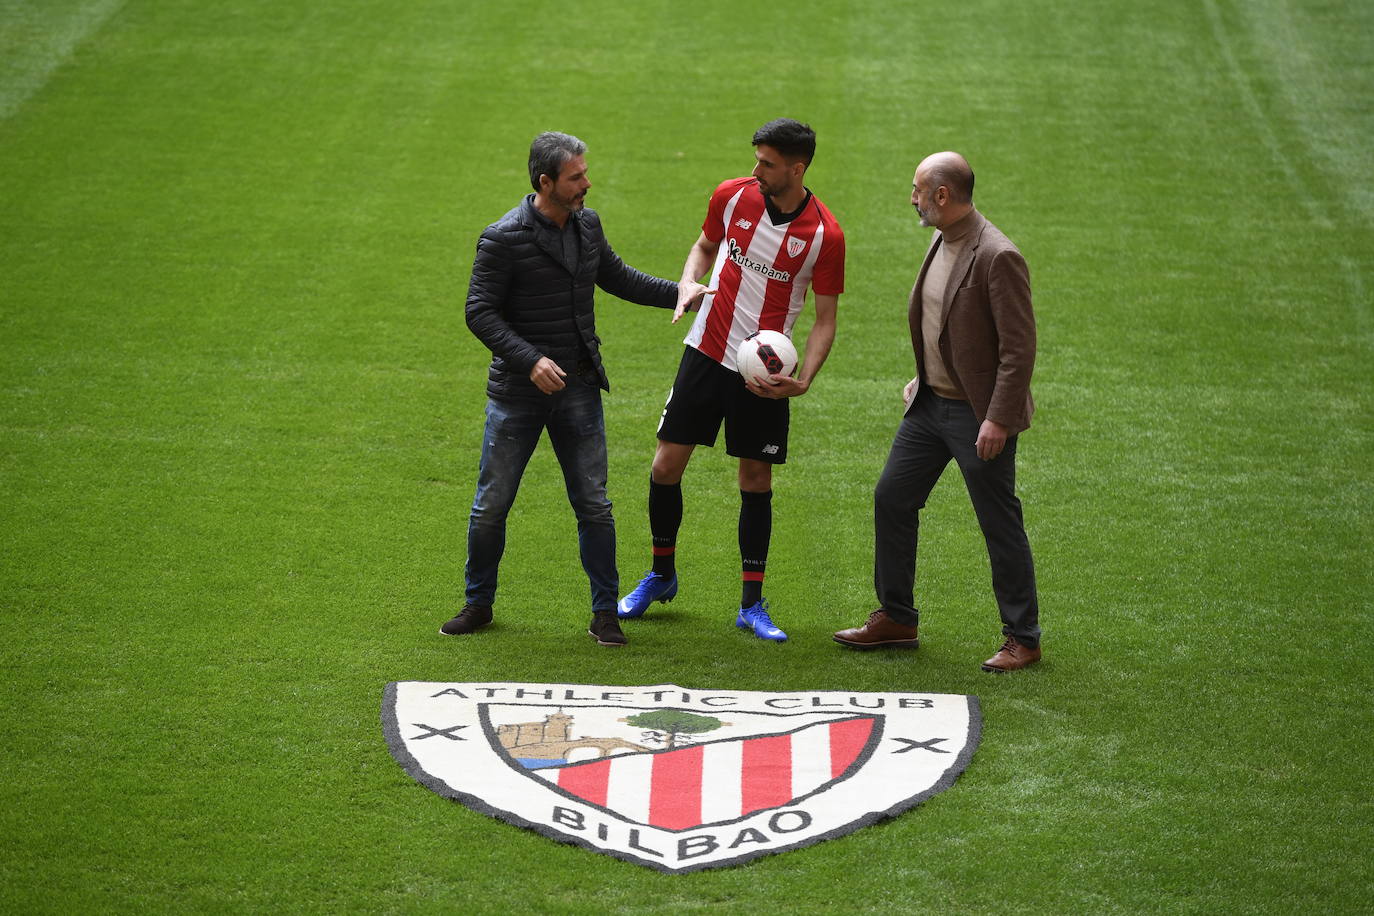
(765, 241)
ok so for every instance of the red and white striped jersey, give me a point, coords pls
(762, 270)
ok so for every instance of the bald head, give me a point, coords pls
(942, 189)
(951, 171)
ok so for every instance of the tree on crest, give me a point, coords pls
(672, 727)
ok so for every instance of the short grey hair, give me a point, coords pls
(549, 151)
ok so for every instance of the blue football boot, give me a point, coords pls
(651, 588)
(757, 619)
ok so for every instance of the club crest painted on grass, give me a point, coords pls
(679, 779)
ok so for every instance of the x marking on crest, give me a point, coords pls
(910, 745)
(434, 732)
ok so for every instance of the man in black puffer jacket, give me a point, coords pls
(530, 300)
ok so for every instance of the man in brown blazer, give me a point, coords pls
(973, 333)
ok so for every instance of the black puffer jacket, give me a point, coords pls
(523, 302)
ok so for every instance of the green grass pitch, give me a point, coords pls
(240, 413)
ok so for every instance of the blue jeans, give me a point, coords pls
(577, 431)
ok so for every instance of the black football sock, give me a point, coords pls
(755, 531)
(665, 517)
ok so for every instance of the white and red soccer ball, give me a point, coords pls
(765, 353)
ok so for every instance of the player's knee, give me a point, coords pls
(665, 474)
(668, 466)
(755, 477)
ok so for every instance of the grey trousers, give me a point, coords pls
(934, 431)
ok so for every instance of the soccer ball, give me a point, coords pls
(765, 353)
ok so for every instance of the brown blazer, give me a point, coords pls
(987, 327)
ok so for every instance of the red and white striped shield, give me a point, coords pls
(680, 779)
(719, 781)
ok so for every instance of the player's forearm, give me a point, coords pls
(818, 344)
(698, 263)
(822, 336)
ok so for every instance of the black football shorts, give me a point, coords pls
(705, 393)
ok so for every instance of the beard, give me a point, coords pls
(572, 203)
(928, 216)
(768, 190)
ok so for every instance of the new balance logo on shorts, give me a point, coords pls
(770, 449)
(679, 779)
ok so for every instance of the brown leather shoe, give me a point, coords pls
(879, 631)
(1012, 656)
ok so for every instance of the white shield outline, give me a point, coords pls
(469, 770)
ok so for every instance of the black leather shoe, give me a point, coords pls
(472, 618)
(606, 629)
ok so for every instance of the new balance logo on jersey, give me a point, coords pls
(743, 260)
(743, 224)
